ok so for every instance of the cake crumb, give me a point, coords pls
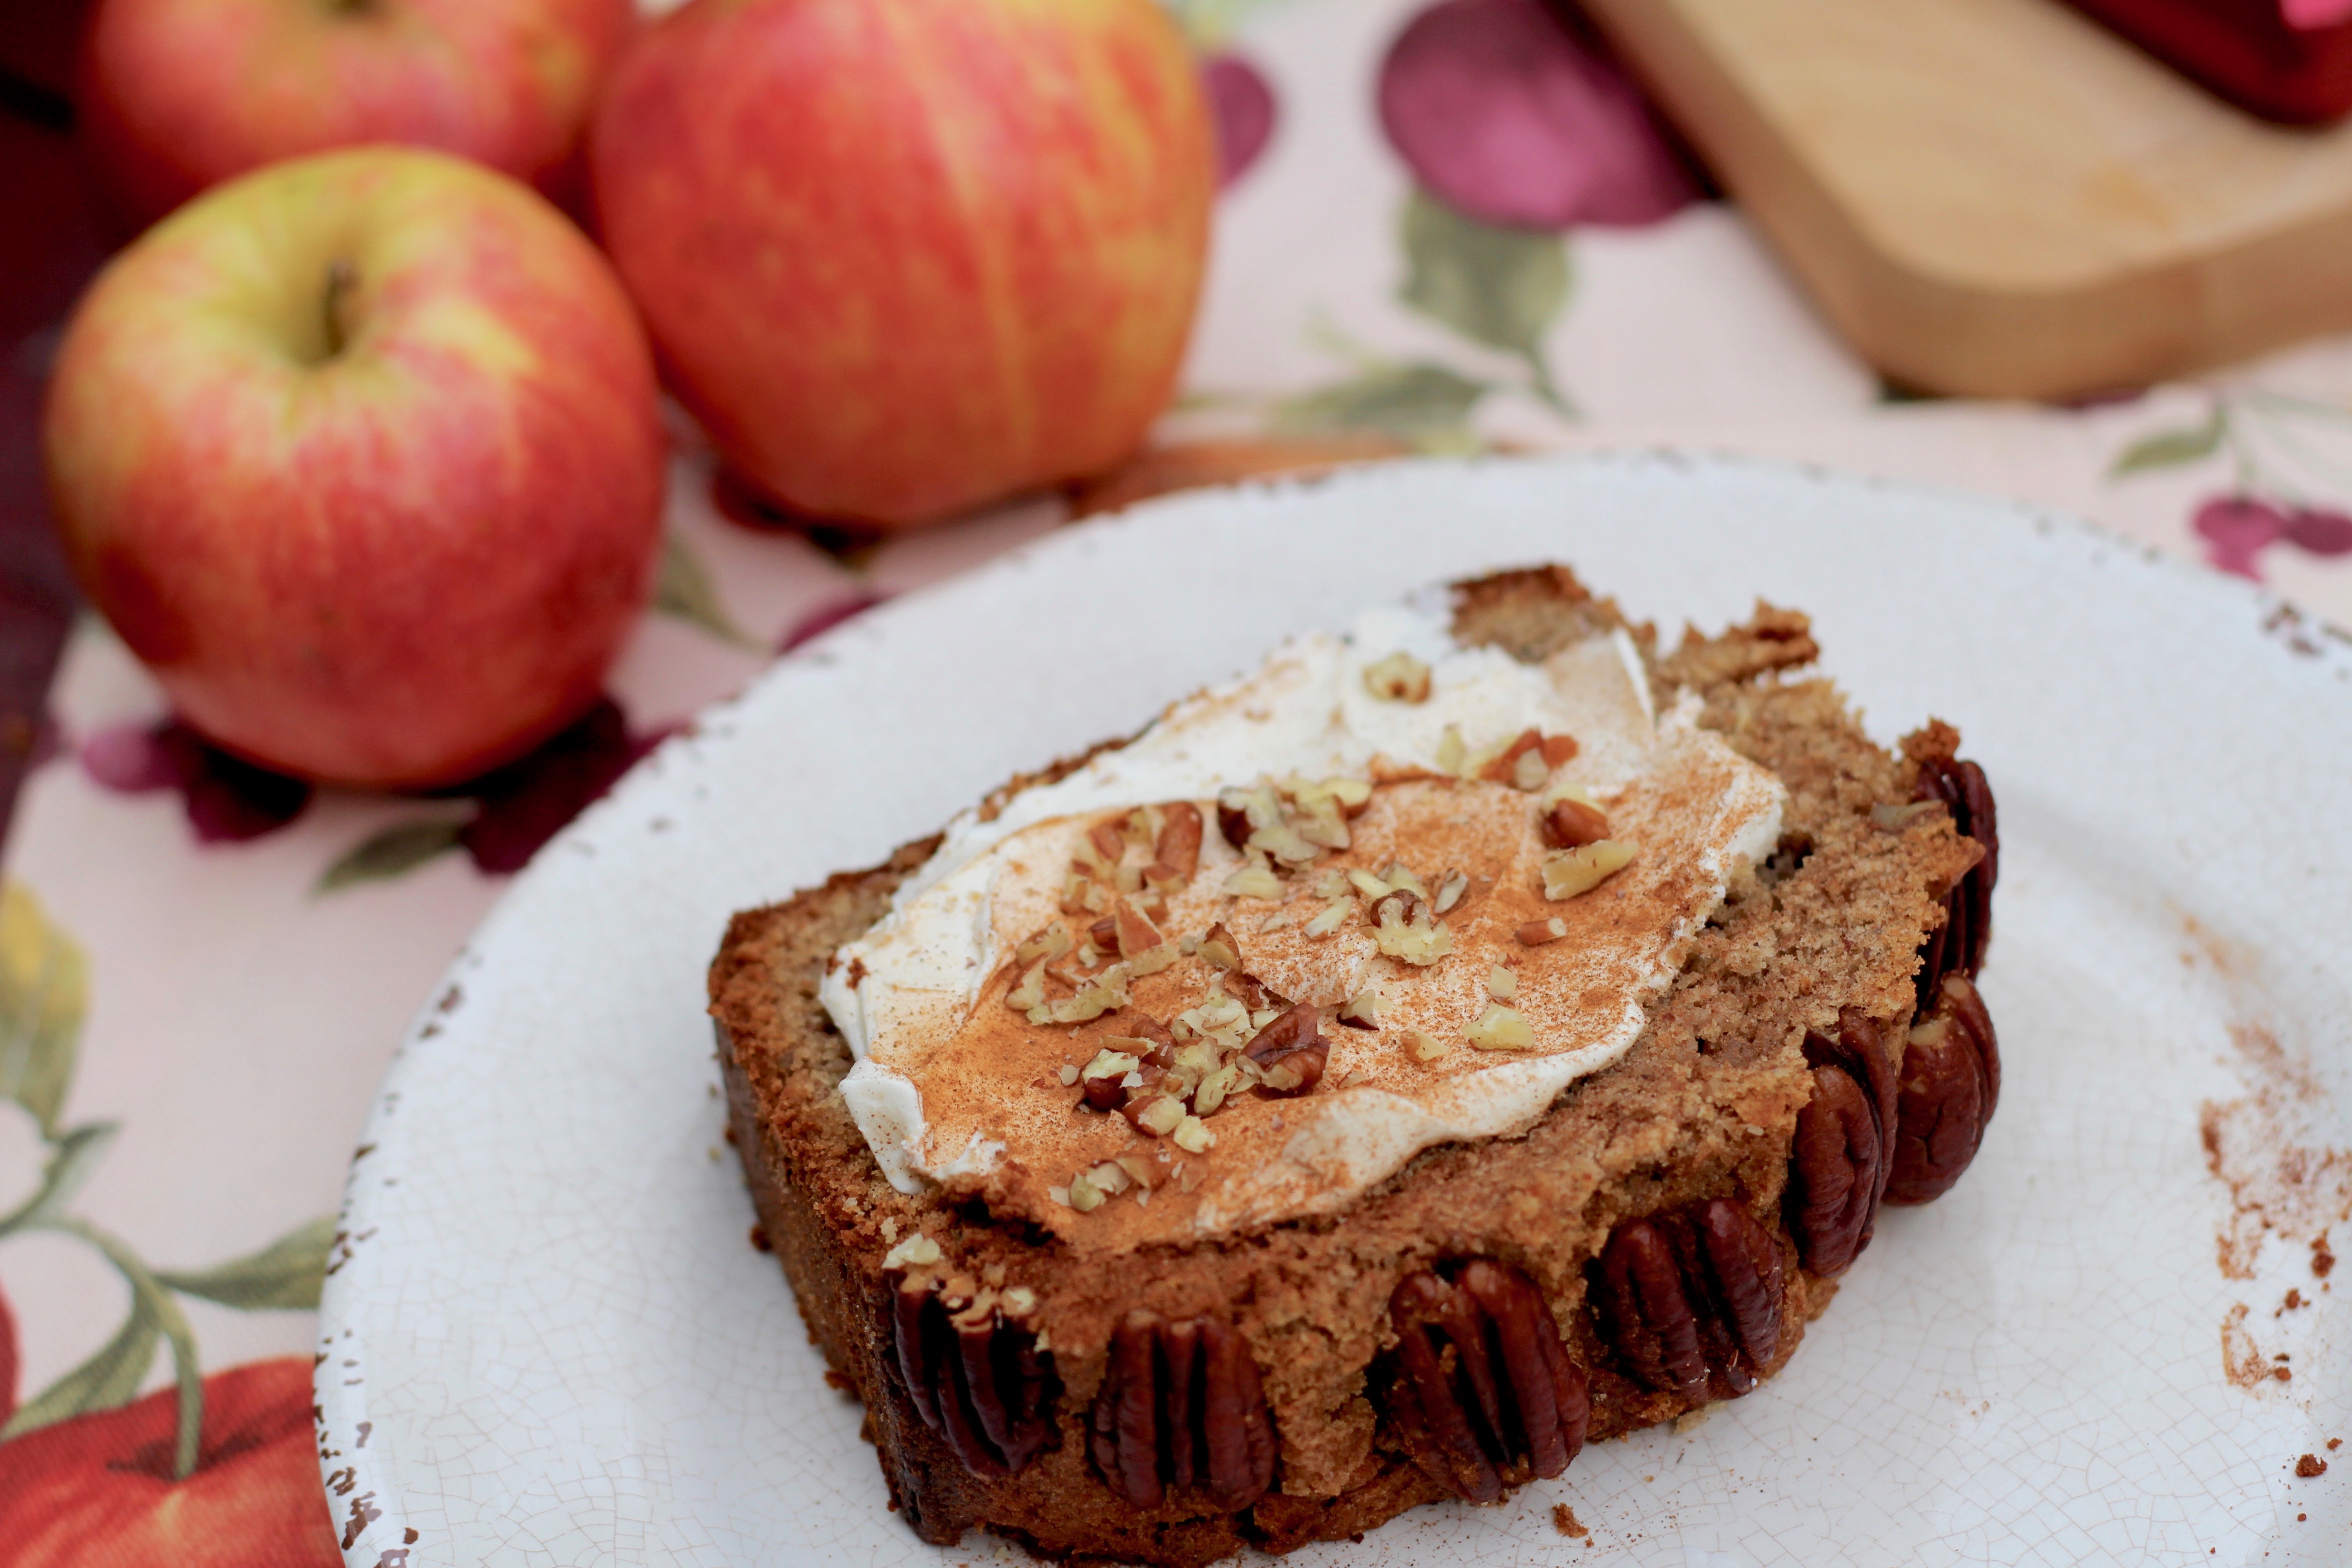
(2310, 1465)
(1691, 1420)
(1563, 1518)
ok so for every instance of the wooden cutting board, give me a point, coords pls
(1999, 197)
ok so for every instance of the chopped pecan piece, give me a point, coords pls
(1404, 928)
(974, 1375)
(1291, 1052)
(1104, 1079)
(1843, 1151)
(1958, 947)
(1691, 1299)
(1529, 760)
(1481, 1390)
(1180, 1406)
(1177, 851)
(1142, 1025)
(1134, 935)
(1950, 1083)
(1570, 824)
(1398, 905)
(1252, 993)
(1219, 950)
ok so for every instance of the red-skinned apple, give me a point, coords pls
(177, 95)
(360, 454)
(99, 1487)
(903, 256)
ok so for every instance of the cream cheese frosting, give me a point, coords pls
(968, 1008)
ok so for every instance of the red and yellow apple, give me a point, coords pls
(360, 454)
(176, 95)
(904, 256)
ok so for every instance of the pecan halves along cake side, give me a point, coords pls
(1460, 1042)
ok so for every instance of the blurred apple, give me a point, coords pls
(360, 454)
(904, 256)
(176, 95)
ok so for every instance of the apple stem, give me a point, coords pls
(343, 277)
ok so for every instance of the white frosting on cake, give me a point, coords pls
(952, 1087)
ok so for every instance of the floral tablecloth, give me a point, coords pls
(1446, 228)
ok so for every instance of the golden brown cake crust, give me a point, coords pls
(1704, 1106)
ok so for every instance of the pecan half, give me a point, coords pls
(1843, 1151)
(1181, 1405)
(1958, 947)
(1950, 1083)
(974, 1375)
(1691, 1299)
(1481, 1389)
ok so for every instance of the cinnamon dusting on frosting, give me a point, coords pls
(1359, 928)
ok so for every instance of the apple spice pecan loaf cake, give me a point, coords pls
(1272, 1149)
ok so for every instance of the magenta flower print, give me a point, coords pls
(2283, 451)
(1241, 107)
(1507, 117)
(516, 809)
(530, 801)
(2235, 530)
(227, 799)
(2318, 530)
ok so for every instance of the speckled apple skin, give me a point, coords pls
(903, 256)
(174, 97)
(396, 564)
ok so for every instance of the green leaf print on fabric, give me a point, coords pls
(151, 1307)
(1426, 404)
(397, 850)
(287, 1275)
(2170, 449)
(106, 1379)
(43, 990)
(684, 589)
(73, 1160)
(1500, 287)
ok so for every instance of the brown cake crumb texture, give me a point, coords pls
(1693, 1128)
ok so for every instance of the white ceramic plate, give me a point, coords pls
(546, 1341)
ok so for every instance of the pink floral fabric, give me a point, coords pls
(1447, 227)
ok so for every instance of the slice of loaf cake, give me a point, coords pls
(1462, 1041)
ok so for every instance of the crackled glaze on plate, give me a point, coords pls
(546, 1341)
